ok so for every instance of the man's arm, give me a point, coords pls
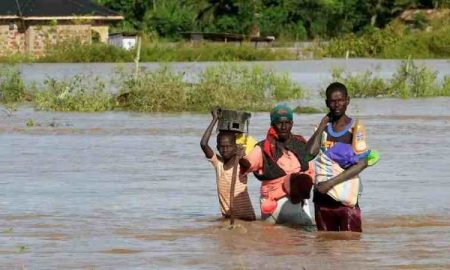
(324, 187)
(313, 144)
(209, 153)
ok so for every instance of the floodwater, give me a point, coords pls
(121, 190)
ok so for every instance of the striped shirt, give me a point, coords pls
(243, 208)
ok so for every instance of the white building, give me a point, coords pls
(126, 41)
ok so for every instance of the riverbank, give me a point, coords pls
(395, 41)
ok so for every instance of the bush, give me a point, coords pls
(241, 87)
(408, 81)
(74, 52)
(159, 91)
(80, 93)
(361, 85)
(229, 86)
(395, 41)
(12, 87)
(211, 52)
(446, 86)
(413, 81)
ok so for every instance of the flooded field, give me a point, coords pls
(121, 190)
(312, 75)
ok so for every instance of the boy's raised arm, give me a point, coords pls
(313, 144)
(209, 153)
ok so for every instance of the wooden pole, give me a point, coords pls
(233, 180)
(138, 56)
(232, 188)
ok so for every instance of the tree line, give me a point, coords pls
(286, 19)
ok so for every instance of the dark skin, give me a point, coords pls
(226, 145)
(209, 153)
(337, 103)
(283, 128)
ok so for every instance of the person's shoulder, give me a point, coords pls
(215, 160)
(258, 147)
(299, 138)
(260, 142)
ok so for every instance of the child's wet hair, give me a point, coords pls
(224, 134)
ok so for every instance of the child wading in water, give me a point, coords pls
(223, 165)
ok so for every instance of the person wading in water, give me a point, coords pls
(279, 163)
(223, 165)
(341, 153)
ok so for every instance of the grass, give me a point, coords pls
(159, 91)
(74, 52)
(207, 51)
(395, 41)
(12, 86)
(230, 86)
(409, 81)
(360, 85)
(79, 93)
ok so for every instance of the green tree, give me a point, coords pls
(133, 11)
(171, 17)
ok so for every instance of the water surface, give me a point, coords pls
(122, 190)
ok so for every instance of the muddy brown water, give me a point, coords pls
(121, 190)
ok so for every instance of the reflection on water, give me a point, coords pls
(132, 191)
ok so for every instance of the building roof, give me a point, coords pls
(55, 9)
(8, 8)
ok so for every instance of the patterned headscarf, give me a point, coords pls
(279, 111)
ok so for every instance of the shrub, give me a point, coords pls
(12, 87)
(361, 85)
(80, 93)
(395, 41)
(241, 87)
(229, 86)
(74, 52)
(211, 52)
(413, 81)
(408, 81)
(158, 91)
(446, 86)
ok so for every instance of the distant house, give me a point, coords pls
(124, 40)
(29, 26)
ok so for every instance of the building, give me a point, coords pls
(123, 40)
(32, 26)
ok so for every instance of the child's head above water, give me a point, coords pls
(226, 144)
